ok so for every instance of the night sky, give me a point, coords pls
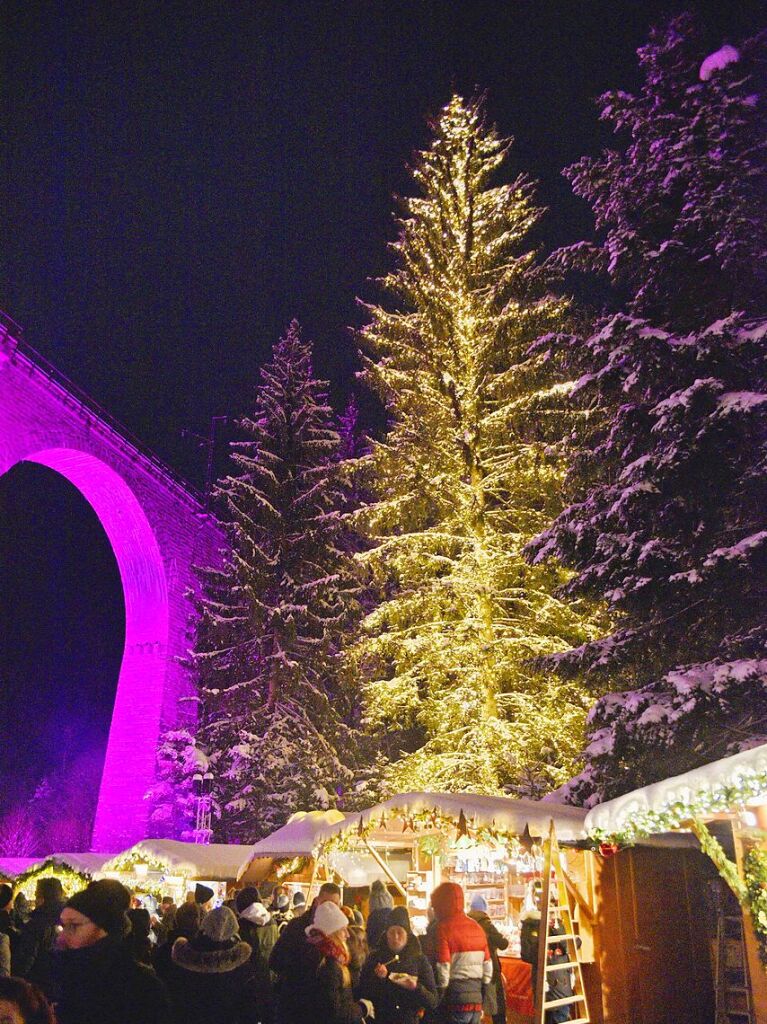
(178, 182)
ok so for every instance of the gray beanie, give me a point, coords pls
(219, 925)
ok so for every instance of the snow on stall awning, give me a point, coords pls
(216, 862)
(712, 785)
(301, 836)
(82, 863)
(10, 867)
(502, 812)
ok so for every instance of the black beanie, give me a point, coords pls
(400, 917)
(202, 894)
(102, 907)
(245, 897)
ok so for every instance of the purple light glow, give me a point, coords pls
(157, 530)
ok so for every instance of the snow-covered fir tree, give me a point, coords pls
(668, 480)
(680, 205)
(273, 701)
(467, 473)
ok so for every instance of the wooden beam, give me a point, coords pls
(385, 868)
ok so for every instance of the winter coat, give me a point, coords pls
(102, 984)
(326, 999)
(380, 907)
(495, 941)
(288, 963)
(259, 929)
(219, 982)
(37, 939)
(393, 1004)
(463, 965)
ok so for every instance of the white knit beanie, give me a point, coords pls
(328, 918)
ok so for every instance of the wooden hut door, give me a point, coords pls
(671, 972)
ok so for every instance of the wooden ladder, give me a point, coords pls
(733, 987)
(555, 895)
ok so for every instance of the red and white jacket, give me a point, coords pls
(462, 963)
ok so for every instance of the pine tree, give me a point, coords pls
(667, 482)
(269, 632)
(467, 473)
(681, 208)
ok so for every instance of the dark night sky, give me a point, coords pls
(180, 179)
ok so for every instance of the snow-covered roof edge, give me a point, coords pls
(707, 782)
(503, 812)
(301, 836)
(216, 862)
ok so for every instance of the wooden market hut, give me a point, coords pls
(682, 904)
(172, 866)
(289, 854)
(74, 870)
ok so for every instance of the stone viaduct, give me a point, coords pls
(158, 530)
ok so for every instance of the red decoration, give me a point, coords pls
(608, 849)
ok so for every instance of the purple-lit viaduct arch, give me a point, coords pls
(157, 530)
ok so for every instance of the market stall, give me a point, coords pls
(491, 846)
(289, 855)
(720, 808)
(156, 867)
(74, 870)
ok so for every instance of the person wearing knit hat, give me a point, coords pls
(96, 979)
(218, 977)
(396, 976)
(256, 925)
(328, 994)
(203, 894)
(494, 1000)
(380, 906)
(287, 960)
(92, 914)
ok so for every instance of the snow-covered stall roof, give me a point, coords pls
(301, 836)
(507, 814)
(710, 785)
(10, 867)
(83, 863)
(216, 862)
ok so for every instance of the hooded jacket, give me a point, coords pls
(218, 982)
(258, 928)
(462, 965)
(394, 1004)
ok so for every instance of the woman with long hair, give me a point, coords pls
(330, 996)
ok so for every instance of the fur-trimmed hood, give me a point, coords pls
(206, 957)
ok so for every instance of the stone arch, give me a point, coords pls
(129, 762)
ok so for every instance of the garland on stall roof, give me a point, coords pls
(286, 868)
(72, 881)
(126, 863)
(423, 821)
(677, 813)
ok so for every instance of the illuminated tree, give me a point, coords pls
(468, 472)
(274, 705)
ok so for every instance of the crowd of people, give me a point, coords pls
(98, 958)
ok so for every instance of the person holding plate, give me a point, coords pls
(396, 977)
